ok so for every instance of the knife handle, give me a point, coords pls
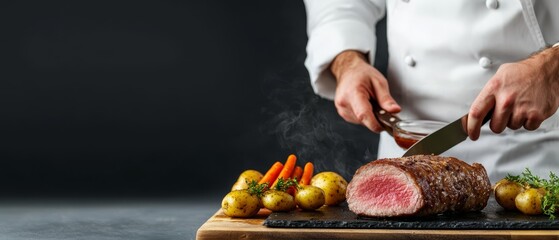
(387, 120)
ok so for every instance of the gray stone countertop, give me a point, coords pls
(105, 219)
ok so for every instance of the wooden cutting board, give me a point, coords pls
(220, 226)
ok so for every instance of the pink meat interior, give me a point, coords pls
(384, 190)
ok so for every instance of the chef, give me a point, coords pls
(446, 59)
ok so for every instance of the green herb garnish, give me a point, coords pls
(284, 184)
(257, 189)
(550, 202)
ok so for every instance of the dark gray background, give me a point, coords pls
(160, 98)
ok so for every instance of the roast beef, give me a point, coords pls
(418, 185)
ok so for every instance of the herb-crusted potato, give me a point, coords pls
(240, 203)
(245, 178)
(278, 201)
(309, 197)
(333, 185)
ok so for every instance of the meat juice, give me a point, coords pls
(407, 133)
(404, 142)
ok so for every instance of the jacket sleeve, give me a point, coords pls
(547, 14)
(334, 26)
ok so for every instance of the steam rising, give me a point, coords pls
(310, 127)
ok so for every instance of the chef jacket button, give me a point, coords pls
(409, 61)
(485, 62)
(492, 4)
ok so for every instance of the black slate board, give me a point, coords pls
(492, 217)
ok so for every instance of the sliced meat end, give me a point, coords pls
(384, 191)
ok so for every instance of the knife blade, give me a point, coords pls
(443, 139)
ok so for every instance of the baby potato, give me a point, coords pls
(240, 203)
(333, 185)
(504, 180)
(246, 177)
(530, 201)
(309, 197)
(506, 192)
(278, 201)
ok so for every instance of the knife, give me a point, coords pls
(444, 138)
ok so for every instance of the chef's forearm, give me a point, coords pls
(344, 61)
(554, 61)
(549, 65)
(544, 65)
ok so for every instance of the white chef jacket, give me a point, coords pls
(441, 54)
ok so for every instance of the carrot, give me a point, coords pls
(287, 169)
(272, 173)
(307, 174)
(292, 190)
(297, 173)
